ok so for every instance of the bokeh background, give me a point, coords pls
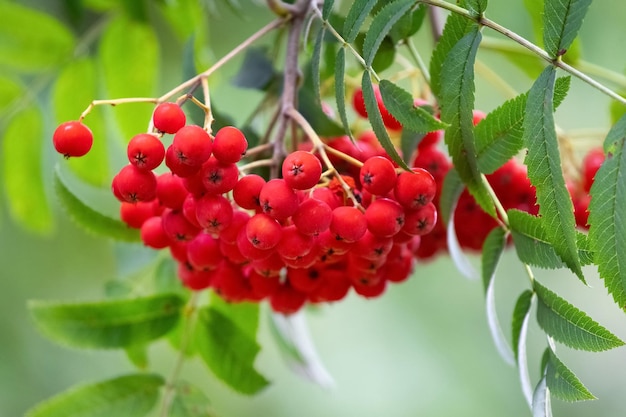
(423, 349)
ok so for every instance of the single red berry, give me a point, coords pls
(278, 199)
(334, 286)
(263, 286)
(229, 145)
(287, 300)
(189, 210)
(415, 189)
(263, 231)
(384, 217)
(370, 246)
(193, 278)
(312, 216)
(171, 191)
(348, 224)
(249, 250)
(168, 117)
(301, 170)
(421, 221)
(214, 213)
(268, 267)
(293, 244)
(247, 190)
(238, 222)
(230, 283)
(192, 145)
(203, 252)
(145, 151)
(591, 163)
(232, 253)
(177, 164)
(72, 139)
(370, 289)
(304, 280)
(135, 214)
(378, 175)
(478, 115)
(358, 103)
(177, 227)
(152, 233)
(218, 177)
(133, 184)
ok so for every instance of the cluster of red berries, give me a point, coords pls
(304, 237)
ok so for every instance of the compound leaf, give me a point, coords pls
(607, 219)
(375, 118)
(125, 396)
(31, 41)
(229, 351)
(569, 325)
(562, 20)
(544, 170)
(21, 160)
(457, 104)
(129, 56)
(401, 106)
(109, 324)
(563, 383)
(91, 220)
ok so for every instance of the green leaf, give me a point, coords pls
(401, 105)
(492, 250)
(244, 315)
(476, 7)
(256, 70)
(355, 18)
(125, 396)
(138, 355)
(327, 8)
(87, 217)
(385, 56)
(129, 56)
(544, 170)
(499, 136)
(381, 25)
(450, 192)
(21, 162)
(228, 351)
(562, 20)
(74, 89)
(375, 118)
(456, 27)
(31, 41)
(569, 325)
(457, 104)
(108, 324)
(340, 91)
(409, 24)
(531, 241)
(520, 312)
(315, 62)
(563, 383)
(607, 219)
(312, 111)
(10, 92)
(189, 401)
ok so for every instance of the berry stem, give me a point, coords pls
(257, 164)
(115, 102)
(342, 155)
(189, 315)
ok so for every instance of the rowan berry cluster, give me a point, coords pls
(308, 236)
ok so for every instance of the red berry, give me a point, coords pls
(287, 300)
(168, 117)
(278, 199)
(177, 227)
(359, 103)
(301, 170)
(591, 163)
(135, 214)
(304, 280)
(384, 217)
(193, 278)
(133, 184)
(145, 151)
(192, 145)
(378, 175)
(348, 224)
(152, 233)
(171, 191)
(247, 190)
(312, 217)
(218, 177)
(415, 189)
(263, 231)
(177, 165)
(203, 251)
(72, 139)
(214, 213)
(293, 244)
(229, 145)
(421, 221)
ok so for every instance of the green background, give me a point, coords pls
(423, 349)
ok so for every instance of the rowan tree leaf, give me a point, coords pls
(244, 315)
(381, 25)
(359, 10)
(541, 404)
(315, 62)
(340, 91)
(607, 219)
(563, 383)
(229, 351)
(520, 312)
(21, 162)
(109, 324)
(129, 58)
(569, 325)
(32, 41)
(562, 21)
(400, 104)
(87, 217)
(491, 253)
(375, 118)
(189, 401)
(451, 190)
(521, 318)
(74, 89)
(457, 105)
(476, 7)
(544, 170)
(125, 396)
(327, 8)
(409, 24)
(455, 28)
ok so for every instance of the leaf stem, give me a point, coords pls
(189, 315)
(418, 60)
